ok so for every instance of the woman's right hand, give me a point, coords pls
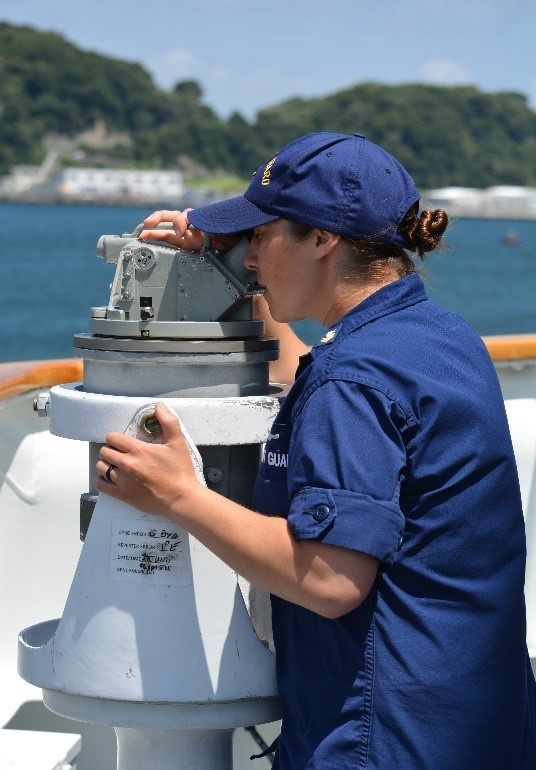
(181, 234)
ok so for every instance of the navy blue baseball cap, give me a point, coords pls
(338, 182)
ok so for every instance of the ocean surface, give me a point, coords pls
(50, 275)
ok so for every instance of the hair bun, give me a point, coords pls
(427, 230)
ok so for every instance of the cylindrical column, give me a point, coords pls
(176, 368)
(141, 749)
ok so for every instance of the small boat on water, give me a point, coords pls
(41, 477)
(511, 238)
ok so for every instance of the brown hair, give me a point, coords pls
(423, 232)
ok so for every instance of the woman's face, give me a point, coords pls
(286, 269)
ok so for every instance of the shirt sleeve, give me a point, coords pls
(346, 463)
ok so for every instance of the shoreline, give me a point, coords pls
(192, 200)
(458, 212)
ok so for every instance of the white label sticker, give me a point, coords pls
(154, 551)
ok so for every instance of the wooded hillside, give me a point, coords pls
(445, 136)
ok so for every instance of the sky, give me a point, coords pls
(251, 54)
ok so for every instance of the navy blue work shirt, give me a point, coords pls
(393, 441)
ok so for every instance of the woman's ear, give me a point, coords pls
(325, 242)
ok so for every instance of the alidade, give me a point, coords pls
(161, 291)
(177, 323)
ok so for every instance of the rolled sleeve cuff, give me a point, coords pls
(348, 519)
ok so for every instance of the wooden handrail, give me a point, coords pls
(511, 347)
(23, 376)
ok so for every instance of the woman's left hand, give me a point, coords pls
(155, 478)
(160, 479)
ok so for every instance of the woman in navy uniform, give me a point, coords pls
(393, 545)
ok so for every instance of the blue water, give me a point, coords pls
(50, 276)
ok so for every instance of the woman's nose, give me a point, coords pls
(250, 260)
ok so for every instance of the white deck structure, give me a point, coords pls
(41, 477)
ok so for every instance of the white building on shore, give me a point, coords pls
(94, 184)
(502, 201)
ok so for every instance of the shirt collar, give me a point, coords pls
(402, 293)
